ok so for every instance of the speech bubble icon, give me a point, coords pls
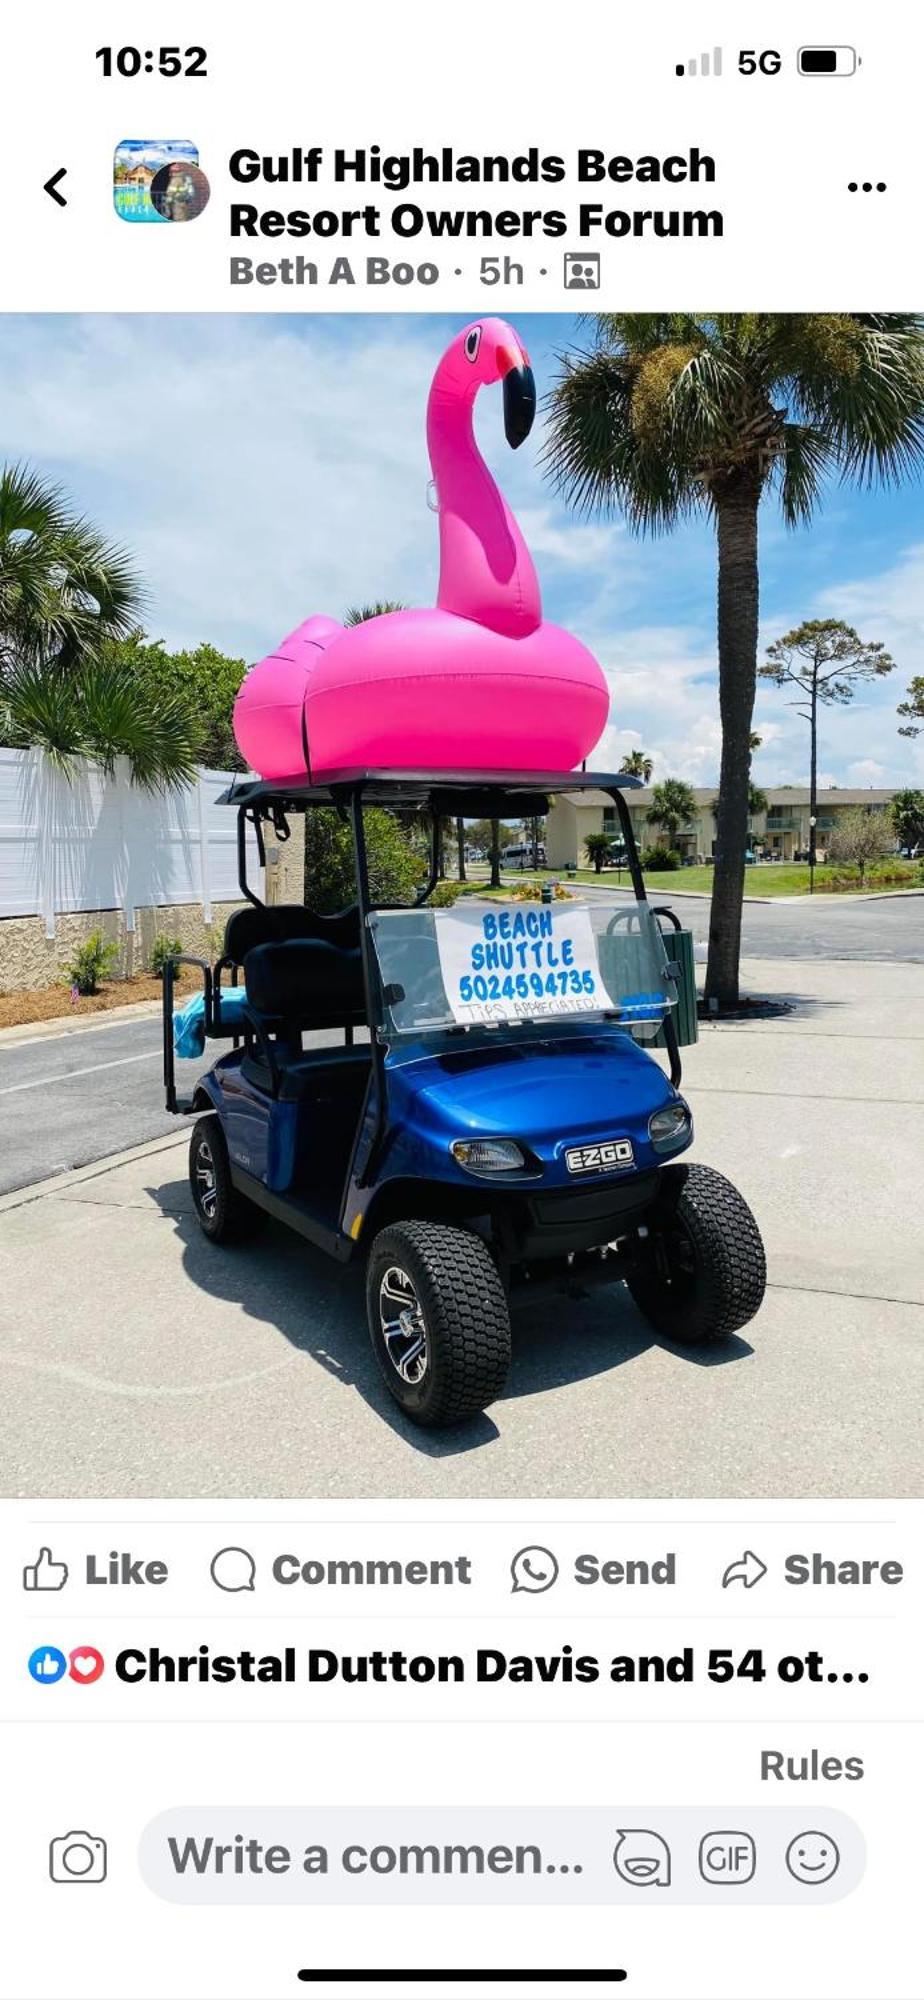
(233, 1569)
(642, 1858)
(534, 1569)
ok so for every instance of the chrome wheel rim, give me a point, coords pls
(206, 1180)
(404, 1329)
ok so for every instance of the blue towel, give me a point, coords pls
(189, 1023)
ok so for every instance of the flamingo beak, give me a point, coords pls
(519, 400)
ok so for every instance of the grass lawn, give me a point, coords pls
(771, 878)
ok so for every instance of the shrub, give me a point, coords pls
(861, 838)
(395, 871)
(531, 892)
(660, 858)
(444, 895)
(91, 962)
(162, 949)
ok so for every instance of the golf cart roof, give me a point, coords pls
(460, 794)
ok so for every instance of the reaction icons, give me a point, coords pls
(45, 1573)
(85, 1665)
(233, 1569)
(642, 1858)
(747, 1569)
(582, 271)
(813, 1857)
(727, 1858)
(534, 1569)
(77, 1857)
(47, 1665)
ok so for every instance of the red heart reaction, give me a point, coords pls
(86, 1665)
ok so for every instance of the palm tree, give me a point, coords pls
(597, 847)
(635, 764)
(66, 599)
(673, 414)
(673, 805)
(358, 614)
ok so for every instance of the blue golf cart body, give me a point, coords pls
(468, 1133)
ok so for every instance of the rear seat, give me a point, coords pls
(277, 923)
(304, 983)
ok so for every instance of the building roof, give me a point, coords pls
(777, 795)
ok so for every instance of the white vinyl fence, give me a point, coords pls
(87, 842)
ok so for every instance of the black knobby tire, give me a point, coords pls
(223, 1214)
(456, 1352)
(701, 1273)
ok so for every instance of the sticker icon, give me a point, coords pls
(642, 1858)
(813, 1857)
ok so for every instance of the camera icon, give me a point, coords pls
(77, 1857)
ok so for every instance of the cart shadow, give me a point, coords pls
(319, 1308)
(604, 1330)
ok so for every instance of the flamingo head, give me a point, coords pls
(489, 350)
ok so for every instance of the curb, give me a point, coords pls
(20, 1197)
(81, 1024)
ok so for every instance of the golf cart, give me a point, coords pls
(490, 1116)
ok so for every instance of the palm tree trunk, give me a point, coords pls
(736, 509)
(460, 847)
(813, 781)
(495, 854)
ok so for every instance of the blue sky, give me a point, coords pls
(264, 468)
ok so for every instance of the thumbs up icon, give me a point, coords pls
(44, 1573)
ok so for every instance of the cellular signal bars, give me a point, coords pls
(704, 65)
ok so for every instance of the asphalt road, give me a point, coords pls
(73, 1098)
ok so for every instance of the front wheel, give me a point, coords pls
(701, 1272)
(438, 1319)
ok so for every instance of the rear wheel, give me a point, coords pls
(438, 1319)
(702, 1272)
(223, 1215)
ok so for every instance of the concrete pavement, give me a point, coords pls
(138, 1360)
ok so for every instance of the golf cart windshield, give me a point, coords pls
(483, 966)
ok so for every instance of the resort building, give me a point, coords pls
(781, 833)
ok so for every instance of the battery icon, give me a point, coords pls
(830, 61)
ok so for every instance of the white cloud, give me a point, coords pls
(866, 772)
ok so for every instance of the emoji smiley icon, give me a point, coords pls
(813, 1857)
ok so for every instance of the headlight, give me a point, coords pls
(488, 1156)
(670, 1128)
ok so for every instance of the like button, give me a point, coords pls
(45, 1573)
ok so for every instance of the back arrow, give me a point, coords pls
(51, 187)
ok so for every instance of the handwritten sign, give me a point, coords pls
(519, 964)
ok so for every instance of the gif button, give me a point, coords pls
(727, 1858)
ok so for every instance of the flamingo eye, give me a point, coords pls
(472, 343)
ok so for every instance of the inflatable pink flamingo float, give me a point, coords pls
(480, 682)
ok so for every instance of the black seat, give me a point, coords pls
(304, 983)
(278, 923)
